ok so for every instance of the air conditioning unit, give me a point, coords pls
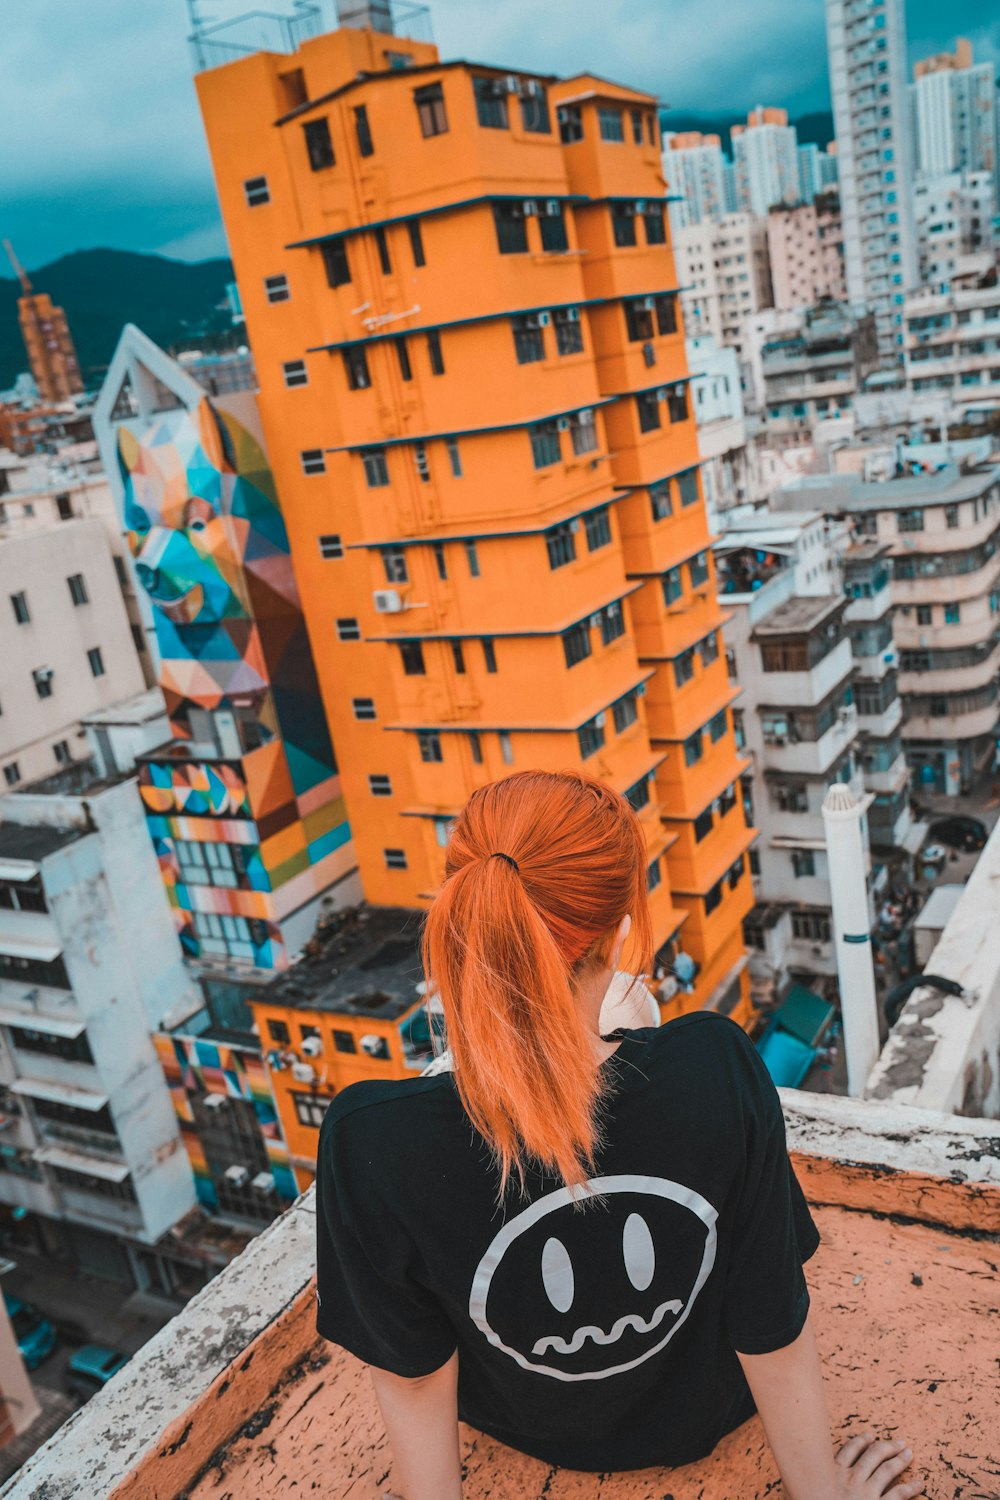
(303, 1072)
(640, 691)
(512, 83)
(312, 1046)
(586, 415)
(600, 720)
(387, 601)
(646, 303)
(544, 319)
(276, 1061)
(595, 620)
(572, 315)
(215, 1101)
(43, 674)
(640, 205)
(532, 89)
(552, 207)
(530, 207)
(263, 1183)
(533, 320)
(238, 1176)
(562, 424)
(574, 525)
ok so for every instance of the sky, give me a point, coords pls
(101, 140)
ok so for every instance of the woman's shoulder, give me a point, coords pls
(376, 1102)
(701, 1031)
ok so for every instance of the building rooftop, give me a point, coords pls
(362, 961)
(141, 708)
(799, 615)
(32, 843)
(849, 492)
(237, 1397)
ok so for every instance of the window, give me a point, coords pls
(670, 582)
(650, 130)
(512, 231)
(666, 314)
(951, 516)
(569, 332)
(910, 520)
(803, 862)
(693, 749)
(625, 712)
(491, 103)
(376, 468)
(96, 661)
(23, 895)
(952, 614)
(590, 737)
(430, 109)
(677, 404)
(420, 459)
(416, 242)
(698, 570)
(623, 224)
(703, 825)
(19, 603)
(276, 288)
(363, 130)
(138, 637)
(429, 743)
(791, 796)
(64, 504)
(379, 784)
(687, 487)
(717, 727)
(612, 622)
(434, 352)
(639, 319)
(12, 773)
(330, 547)
(648, 408)
(583, 432)
(343, 1041)
(335, 261)
(654, 875)
(295, 372)
(356, 366)
(395, 859)
(364, 709)
(708, 649)
(684, 667)
(489, 654)
(570, 118)
(61, 751)
(382, 246)
(310, 1109)
(529, 343)
(656, 234)
(72, 1049)
(552, 224)
(439, 561)
(475, 747)
(278, 1032)
(597, 525)
(636, 118)
(210, 864)
(394, 563)
(713, 898)
(506, 748)
(925, 614)
(319, 145)
(454, 458)
(256, 191)
(313, 461)
(576, 644)
(659, 499)
(472, 558)
(458, 657)
(545, 448)
(611, 124)
(412, 653)
(535, 110)
(561, 546)
(348, 629)
(78, 589)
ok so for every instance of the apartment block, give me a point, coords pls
(723, 268)
(727, 467)
(866, 42)
(813, 370)
(953, 217)
(953, 105)
(805, 245)
(953, 341)
(766, 161)
(360, 177)
(695, 169)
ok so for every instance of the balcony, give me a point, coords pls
(236, 1397)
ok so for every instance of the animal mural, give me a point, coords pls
(211, 552)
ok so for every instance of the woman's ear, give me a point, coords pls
(624, 928)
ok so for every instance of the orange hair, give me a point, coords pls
(503, 945)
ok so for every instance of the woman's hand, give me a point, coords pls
(867, 1469)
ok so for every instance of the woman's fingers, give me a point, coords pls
(854, 1447)
(876, 1454)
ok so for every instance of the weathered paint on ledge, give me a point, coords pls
(236, 1399)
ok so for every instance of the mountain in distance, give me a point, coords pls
(173, 301)
(816, 127)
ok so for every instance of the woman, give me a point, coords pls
(588, 1246)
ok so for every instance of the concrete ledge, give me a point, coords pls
(213, 1379)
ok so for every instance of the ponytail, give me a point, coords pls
(541, 870)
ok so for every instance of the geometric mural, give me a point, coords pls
(203, 522)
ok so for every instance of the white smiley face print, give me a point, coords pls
(586, 1294)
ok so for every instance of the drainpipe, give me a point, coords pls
(845, 852)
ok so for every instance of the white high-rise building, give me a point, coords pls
(723, 271)
(695, 168)
(953, 215)
(866, 40)
(953, 104)
(766, 161)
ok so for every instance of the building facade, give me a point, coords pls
(49, 346)
(805, 245)
(953, 342)
(866, 42)
(766, 161)
(244, 803)
(727, 470)
(414, 490)
(813, 371)
(953, 219)
(725, 276)
(695, 170)
(954, 114)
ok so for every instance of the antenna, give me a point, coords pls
(19, 270)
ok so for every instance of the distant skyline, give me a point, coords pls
(102, 141)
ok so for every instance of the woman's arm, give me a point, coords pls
(421, 1423)
(788, 1389)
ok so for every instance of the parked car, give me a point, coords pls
(35, 1335)
(92, 1367)
(960, 832)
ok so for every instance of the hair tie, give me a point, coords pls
(508, 857)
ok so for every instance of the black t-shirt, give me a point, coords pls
(597, 1337)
